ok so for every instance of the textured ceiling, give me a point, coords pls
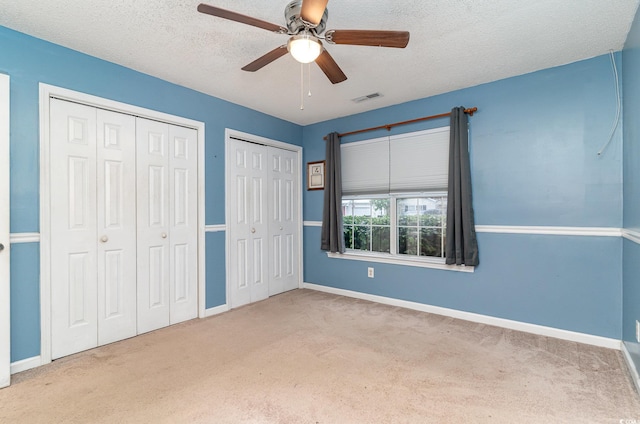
(454, 44)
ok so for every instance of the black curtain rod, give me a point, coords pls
(388, 127)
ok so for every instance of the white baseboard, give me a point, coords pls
(633, 371)
(482, 319)
(26, 364)
(216, 310)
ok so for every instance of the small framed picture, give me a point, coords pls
(315, 175)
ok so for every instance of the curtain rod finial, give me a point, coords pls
(471, 111)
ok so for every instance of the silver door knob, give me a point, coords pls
(253, 230)
(280, 228)
(104, 239)
(164, 235)
(1, 247)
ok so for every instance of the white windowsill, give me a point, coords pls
(409, 261)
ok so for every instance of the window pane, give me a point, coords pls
(408, 241)
(381, 239)
(430, 211)
(444, 211)
(348, 237)
(380, 207)
(347, 210)
(407, 211)
(431, 242)
(362, 210)
(361, 237)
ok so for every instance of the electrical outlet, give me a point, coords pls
(638, 331)
(370, 272)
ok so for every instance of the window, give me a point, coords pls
(367, 224)
(395, 195)
(421, 225)
(396, 224)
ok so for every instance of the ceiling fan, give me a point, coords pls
(306, 21)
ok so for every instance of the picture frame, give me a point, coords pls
(315, 175)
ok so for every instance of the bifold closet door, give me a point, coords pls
(263, 221)
(167, 224)
(248, 226)
(283, 220)
(93, 245)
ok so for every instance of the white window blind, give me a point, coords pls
(417, 161)
(365, 166)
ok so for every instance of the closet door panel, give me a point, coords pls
(283, 221)
(74, 323)
(116, 220)
(183, 219)
(153, 249)
(248, 226)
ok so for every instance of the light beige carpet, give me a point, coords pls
(311, 357)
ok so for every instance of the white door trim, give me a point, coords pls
(46, 92)
(5, 302)
(228, 134)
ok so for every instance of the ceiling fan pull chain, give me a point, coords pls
(301, 86)
(309, 74)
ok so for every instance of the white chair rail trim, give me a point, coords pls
(215, 228)
(631, 235)
(542, 230)
(24, 238)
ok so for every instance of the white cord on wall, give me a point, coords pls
(618, 106)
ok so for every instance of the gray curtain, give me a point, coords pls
(461, 247)
(332, 232)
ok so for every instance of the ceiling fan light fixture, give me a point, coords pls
(304, 48)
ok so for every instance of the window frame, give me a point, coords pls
(393, 257)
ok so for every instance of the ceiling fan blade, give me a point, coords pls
(312, 10)
(233, 16)
(356, 37)
(274, 54)
(330, 68)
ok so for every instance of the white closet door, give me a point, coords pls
(74, 323)
(116, 223)
(283, 221)
(153, 224)
(248, 226)
(93, 264)
(183, 218)
(5, 316)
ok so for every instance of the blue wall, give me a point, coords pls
(533, 144)
(631, 267)
(29, 61)
(533, 151)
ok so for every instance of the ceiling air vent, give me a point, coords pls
(365, 98)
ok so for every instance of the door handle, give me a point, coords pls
(253, 230)
(280, 228)
(104, 239)
(164, 235)
(1, 247)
